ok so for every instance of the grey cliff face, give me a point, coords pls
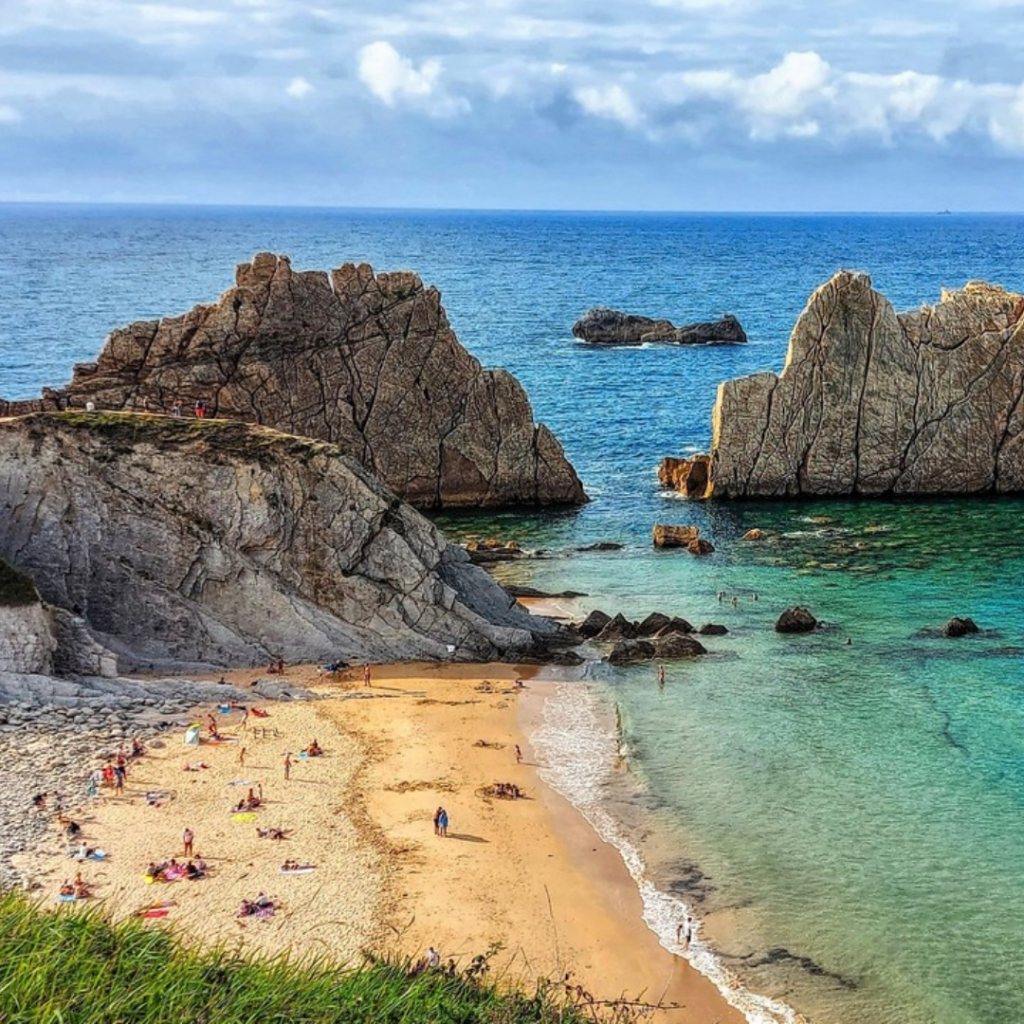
(601, 326)
(871, 402)
(186, 544)
(366, 361)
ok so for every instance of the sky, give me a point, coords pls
(744, 105)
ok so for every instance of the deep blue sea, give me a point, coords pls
(846, 820)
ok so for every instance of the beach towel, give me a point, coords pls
(240, 782)
(305, 870)
(155, 912)
(244, 816)
(70, 899)
(192, 735)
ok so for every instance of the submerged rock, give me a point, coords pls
(187, 543)
(603, 326)
(796, 620)
(957, 627)
(365, 361)
(872, 402)
(712, 629)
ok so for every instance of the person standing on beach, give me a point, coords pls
(437, 820)
(287, 765)
(188, 838)
(241, 756)
(442, 821)
(119, 778)
(519, 755)
(366, 675)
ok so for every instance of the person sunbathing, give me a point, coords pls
(314, 749)
(192, 871)
(272, 833)
(155, 871)
(81, 888)
(67, 889)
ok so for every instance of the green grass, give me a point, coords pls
(15, 587)
(75, 967)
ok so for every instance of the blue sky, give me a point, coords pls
(598, 104)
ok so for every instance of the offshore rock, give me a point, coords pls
(366, 361)
(796, 620)
(603, 326)
(184, 543)
(667, 536)
(871, 402)
(687, 476)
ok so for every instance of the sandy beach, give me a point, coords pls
(526, 878)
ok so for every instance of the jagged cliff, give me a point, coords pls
(185, 543)
(366, 361)
(871, 402)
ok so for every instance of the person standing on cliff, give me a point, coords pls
(200, 409)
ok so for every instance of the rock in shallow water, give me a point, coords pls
(796, 620)
(603, 326)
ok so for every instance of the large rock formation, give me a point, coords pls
(872, 402)
(366, 361)
(187, 544)
(601, 326)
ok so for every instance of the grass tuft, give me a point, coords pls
(76, 967)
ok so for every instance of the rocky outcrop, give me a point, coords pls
(366, 361)
(671, 647)
(687, 476)
(186, 543)
(602, 326)
(871, 402)
(796, 620)
(27, 643)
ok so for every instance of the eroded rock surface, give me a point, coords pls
(872, 402)
(366, 361)
(184, 543)
(602, 326)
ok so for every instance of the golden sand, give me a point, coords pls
(529, 876)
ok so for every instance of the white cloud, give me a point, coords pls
(393, 78)
(611, 102)
(8, 115)
(390, 76)
(298, 88)
(166, 14)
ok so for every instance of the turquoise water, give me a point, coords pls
(859, 807)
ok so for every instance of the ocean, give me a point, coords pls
(845, 820)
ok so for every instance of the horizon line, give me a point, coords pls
(171, 204)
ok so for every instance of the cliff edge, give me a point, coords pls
(187, 544)
(366, 361)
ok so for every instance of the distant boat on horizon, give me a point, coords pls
(945, 213)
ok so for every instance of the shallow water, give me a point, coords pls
(847, 820)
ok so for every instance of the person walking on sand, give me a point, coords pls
(188, 838)
(519, 755)
(442, 822)
(288, 765)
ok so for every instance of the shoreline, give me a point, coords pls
(531, 876)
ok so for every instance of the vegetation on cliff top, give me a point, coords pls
(75, 967)
(15, 587)
(232, 437)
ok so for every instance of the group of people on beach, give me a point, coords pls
(440, 822)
